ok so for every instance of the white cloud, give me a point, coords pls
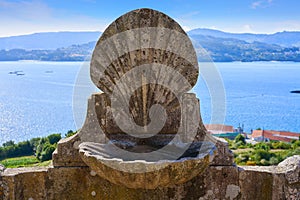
(261, 4)
(288, 25)
(263, 27)
(242, 26)
(256, 4)
(25, 17)
(26, 10)
(247, 29)
(77, 23)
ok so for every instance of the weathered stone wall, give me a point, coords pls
(217, 182)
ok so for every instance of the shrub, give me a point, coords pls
(260, 154)
(274, 160)
(296, 144)
(293, 152)
(70, 133)
(249, 145)
(242, 147)
(47, 146)
(284, 145)
(264, 162)
(281, 145)
(262, 145)
(240, 139)
(47, 152)
(40, 147)
(243, 157)
(239, 143)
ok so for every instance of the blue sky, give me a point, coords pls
(19, 17)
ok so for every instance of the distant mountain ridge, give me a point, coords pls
(229, 49)
(47, 40)
(285, 38)
(220, 46)
(54, 40)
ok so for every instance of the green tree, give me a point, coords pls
(54, 138)
(24, 148)
(8, 143)
(46, 148)
(34, 142)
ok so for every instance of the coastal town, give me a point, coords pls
(258, 135)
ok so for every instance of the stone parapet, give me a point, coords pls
(217, 182)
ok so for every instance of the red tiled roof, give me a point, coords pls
(219, 128)
(284, 136)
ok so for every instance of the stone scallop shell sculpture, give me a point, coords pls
(144, 58)
(145, 64)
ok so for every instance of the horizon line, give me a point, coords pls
(215, 29)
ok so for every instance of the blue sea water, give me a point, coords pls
(37, 103)
(258, 95)
(39, 100)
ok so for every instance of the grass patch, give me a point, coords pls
(24, 161)
(242, 150)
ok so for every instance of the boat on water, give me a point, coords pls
(295, 91)
(15, 72)
(20, 74)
